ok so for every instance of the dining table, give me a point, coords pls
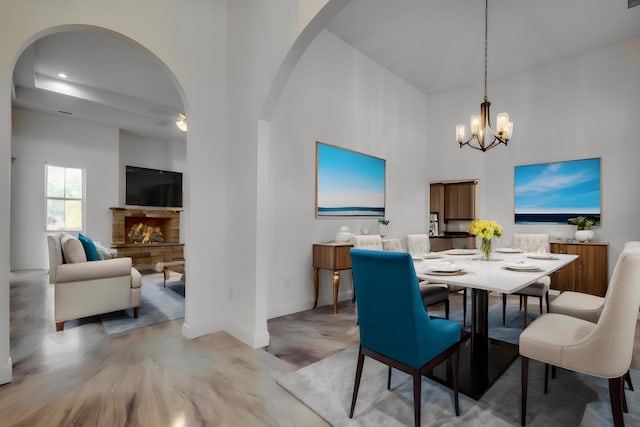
(484, 359)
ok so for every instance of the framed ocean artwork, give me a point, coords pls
(554, 192)
(348, 183)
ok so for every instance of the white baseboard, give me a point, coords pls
(195, 331)
(6, 373)
(257, 340)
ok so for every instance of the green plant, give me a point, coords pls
(583, 222)
(383, 221)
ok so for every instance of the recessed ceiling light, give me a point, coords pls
(62, 75)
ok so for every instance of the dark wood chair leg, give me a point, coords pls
(546, 377)
(553, 372)
(627, 378)
(456, 363)
(615, 394)
(524, 381)
(520, 302)
(464, 307)
(546, 297)
(389, 379)
(136, 312)
(541, 306)
(356, 384)
(504, 308)
(446, 308)
(526, 300)
(624, 399)
(417, 397)
(59, 326)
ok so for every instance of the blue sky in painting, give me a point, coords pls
(347, 178)
(563, 187)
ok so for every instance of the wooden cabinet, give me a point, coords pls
(588, 274)
(460, 201)
(334, 257)
(436, 198)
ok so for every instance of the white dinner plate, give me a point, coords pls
(509, 250)
(541, 255)
(522, 266)
(444, 268)
(432, 255)
(446, 273)
(462, 251)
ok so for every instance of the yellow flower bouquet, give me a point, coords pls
(485, 229)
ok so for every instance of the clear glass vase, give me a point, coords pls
(485, 249)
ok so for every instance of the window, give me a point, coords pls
(64, 198)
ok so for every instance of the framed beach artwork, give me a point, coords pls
(554, 192)
(348, 183)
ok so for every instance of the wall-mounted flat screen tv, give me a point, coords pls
(348, 183)
(555, 192)
(153, 187)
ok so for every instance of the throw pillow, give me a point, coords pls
(72, 249)
(89, 248)
(105, 253)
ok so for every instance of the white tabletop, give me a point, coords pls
(491, 275)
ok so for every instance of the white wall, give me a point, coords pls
(586, 106)
(40, 138)
(338, 96)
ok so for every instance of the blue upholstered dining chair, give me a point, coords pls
(395, 327)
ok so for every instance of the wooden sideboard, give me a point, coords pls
(588, 274)
(334, 257)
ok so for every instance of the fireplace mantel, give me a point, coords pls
(147, 254)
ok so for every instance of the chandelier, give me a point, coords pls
(481, 125)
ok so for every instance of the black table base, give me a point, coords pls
(476, 375)
(482, 359)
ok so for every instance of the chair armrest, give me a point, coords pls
(91, 270)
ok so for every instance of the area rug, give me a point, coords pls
(157, 305)
(573, 399)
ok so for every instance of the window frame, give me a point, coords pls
(82, 199)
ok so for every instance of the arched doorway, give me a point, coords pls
(99, 101)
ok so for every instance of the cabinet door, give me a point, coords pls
(593, 273)
(434, 197)
(587, 274)
(564, 279)
(466, 200)
(450, 201)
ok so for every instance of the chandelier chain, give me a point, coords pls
(486, 32)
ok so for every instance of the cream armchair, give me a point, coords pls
(90, 287)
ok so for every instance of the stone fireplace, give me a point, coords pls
(148, 236)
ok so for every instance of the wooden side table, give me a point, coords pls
(334, 257)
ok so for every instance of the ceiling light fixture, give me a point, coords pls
(182, 122)
(481, 125)
(62, 75)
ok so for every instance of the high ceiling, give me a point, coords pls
(438, 45)
(435, 45)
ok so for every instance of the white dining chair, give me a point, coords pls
(539, 289)
(368, 241)
(392, 245)
(417, 246)
(603, 349)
